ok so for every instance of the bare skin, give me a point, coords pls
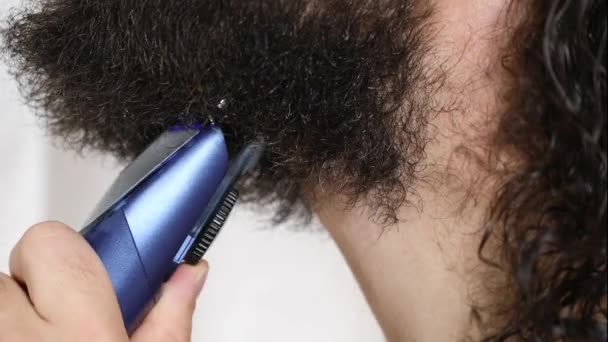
(58, 290)
(418, 275)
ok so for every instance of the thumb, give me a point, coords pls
(171, 318)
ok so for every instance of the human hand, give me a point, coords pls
(58, 290)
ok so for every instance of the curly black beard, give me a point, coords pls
(320, 82)
(339, 92)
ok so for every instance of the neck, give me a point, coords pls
(417, 274)
(422, 274)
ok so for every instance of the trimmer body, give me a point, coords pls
(165, 208)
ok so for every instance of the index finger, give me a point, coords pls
(65, 280)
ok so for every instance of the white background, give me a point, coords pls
(266, 283)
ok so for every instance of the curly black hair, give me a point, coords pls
(549, 215)
(322, 82)
(318, 81)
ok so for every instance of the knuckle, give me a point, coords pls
(41, 232)
(40, 236)
(39, 240)
(54, 240)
